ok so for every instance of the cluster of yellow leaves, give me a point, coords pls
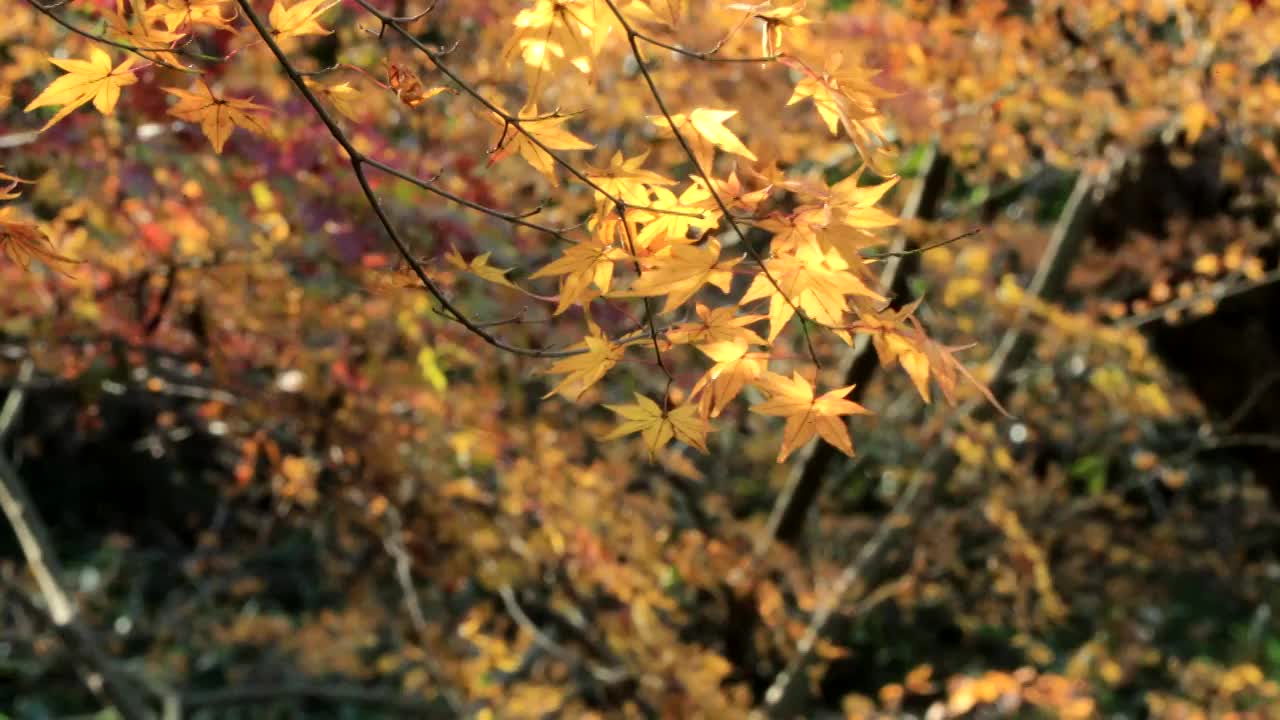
(670, 235)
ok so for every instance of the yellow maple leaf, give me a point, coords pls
(806, 414)
(671, 218)
(176, 13)
(587, 262)
(810, 280)
(583, 371)
(345, 98)
(707, 128)
(774, 19)
(302, 18)
(86, 80)
(718, 325)
(480, 267)
(627, 179)
(735, 366)
(681, 272)
(143, 35)
(846, 99)
(657, 426)
(217, 116)
(545, 130)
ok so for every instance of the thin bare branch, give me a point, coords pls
(393, 543)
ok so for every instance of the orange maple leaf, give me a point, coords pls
(806, 414)
(408, 87)
(217, 116)
(86, 80)
(22, 241)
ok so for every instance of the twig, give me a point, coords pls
(1217, 293)
(606, 675)
(393, 543)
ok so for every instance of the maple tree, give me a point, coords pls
(454, 290)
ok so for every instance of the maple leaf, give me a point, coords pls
(657, 426)
(774, 19)
(144, 35)
(708, 130)
(583, 371)
(545, 130)
(626, 178)
(671, 218)
(480, 267)
(898, 335)
(844, 216)
(718, 325)
(86, 80)
(846, 98)
(22, 242)
(681, 273)
(791, 230)
(572, 31)
(664, 12)
(302, 18)
(345, 98)
(735, 367)
(806, 414)
(736, 195)
(814, 282)
(587, 262)
(176, 13)
(217, 116)
(408, 87)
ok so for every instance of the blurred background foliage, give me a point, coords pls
(250, 445)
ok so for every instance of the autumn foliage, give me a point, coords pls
(532, 338)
